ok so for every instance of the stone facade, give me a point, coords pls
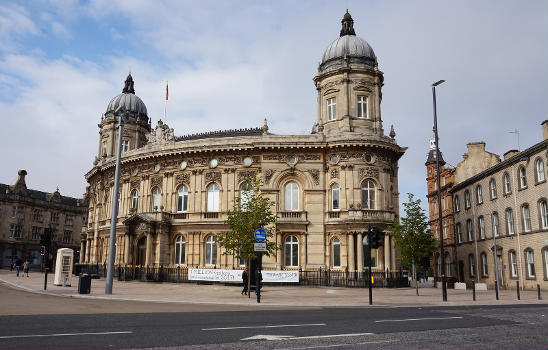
(24, 213)
(327, 186)
(505, 203)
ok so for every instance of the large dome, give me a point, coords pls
(348, 46)
(133, 105)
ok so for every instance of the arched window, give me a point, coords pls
(530, 256)
(467, 203)
(365, 245)
(291, 251)
(493, 188)
(509, 221)
(543, 211)
(481, 227)
(335, 196)
(291, 196)
(182, 198)
(459, 232)
(479, 194)
(246, 193)
(156, 199)
(472, 265)
(526, 218)
(539, 166)
(336, 252)
(522, 177)
(134, 199)
(448, 265)
(484, 269)
(368, 194)
(496, 230)
(179, 250)
(457, 204)
(507, 186)
(469, 230)
(513, 263)
(213, 197)
(210, 250)
(545, 257)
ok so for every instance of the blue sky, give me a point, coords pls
(230, 64)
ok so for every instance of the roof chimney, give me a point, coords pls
(544, 125)
(510, 153)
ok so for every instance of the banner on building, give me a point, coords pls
(219, 275)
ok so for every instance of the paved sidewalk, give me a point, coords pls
(191, 293)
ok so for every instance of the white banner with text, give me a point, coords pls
(219, 275)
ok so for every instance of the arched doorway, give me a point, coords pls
(141, 251)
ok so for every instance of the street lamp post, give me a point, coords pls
(443, 280)
(121, 112)
(495, 256)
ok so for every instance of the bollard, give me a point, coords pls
(473, 290)
(538, 292)
(496, 290)
(517, 289)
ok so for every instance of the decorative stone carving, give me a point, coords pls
(282, 158)
(369, 172)
(334, 173)
(143, 226)
(213, 176)
(268, 173)
(315, 173)
(161, 134)
(242, 175)
(134, 184)
(182, 178)
(156, 181)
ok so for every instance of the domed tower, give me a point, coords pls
(349, 85)
(135, 129)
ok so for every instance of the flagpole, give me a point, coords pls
(165, 102)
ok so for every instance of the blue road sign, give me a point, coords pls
(260, 235)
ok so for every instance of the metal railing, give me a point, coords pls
(309, 277)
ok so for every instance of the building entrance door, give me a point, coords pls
(461, 271)
(141, 251)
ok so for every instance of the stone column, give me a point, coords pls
(387, 254)
(148, 258)
(126, 249)
(82, 251)
(304, 260)
(351, 262)
(359, 245)
(279, 252)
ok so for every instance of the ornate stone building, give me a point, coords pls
(328, 186)
(24, 213)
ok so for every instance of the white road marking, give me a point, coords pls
(421, 319)
(61, 334)
(338, 345)
(289, 337)
(271, 326)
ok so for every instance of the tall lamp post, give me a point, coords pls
(442, 257)
(121, 112)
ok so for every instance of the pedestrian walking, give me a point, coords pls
(245, 278)
(26, 267)
(18, 264)
(258, 279)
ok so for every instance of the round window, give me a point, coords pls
(213, 163)
(368, 158)
(183, 165)
(157, 167)
(248, 161)
(334, 159)
(292, 160)
(135, 171)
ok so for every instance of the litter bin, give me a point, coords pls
(84, 284)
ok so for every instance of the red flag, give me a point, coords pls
(167, 91)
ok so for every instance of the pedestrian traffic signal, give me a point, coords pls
(376, 237)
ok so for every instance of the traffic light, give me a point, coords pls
(376, 237)
(45, 239)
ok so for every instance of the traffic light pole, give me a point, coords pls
(369, 242)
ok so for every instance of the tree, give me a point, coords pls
(413, 237)
(251, 210)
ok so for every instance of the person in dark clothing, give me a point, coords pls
(258, 280)
(18, 264)
(245, 278)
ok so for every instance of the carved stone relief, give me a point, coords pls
(156, 181)
(268, 173)
(182, 178)
(242, 175)
(369, 172)
(315, 173)
(134, 184)
(334, 173)
(213, 176)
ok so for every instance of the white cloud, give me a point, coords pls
(14, 22)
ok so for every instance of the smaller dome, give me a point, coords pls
(133, 105)
(349, 46)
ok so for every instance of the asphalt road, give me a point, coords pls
(486, 327)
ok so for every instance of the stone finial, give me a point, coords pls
(347, 25)
(128, 87)
(265, 127)
(392, 132)
(20, 187)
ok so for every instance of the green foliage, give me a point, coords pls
(247, 215)
(413, 237)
